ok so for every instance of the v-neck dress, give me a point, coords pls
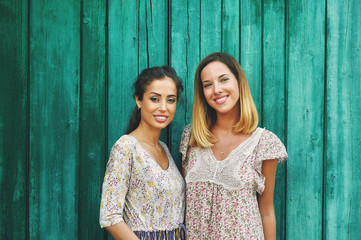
(138, 191)
(221, 196)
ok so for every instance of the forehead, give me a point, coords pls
(165, 86)
(214, 69)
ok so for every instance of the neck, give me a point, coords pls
(146, 134)
(226, 121)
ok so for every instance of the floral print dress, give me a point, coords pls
(138, 191)
(221, 196)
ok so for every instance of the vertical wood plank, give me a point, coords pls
(54, 107)
(251, 48)
(273, 104)
(13, 119)
(230, 27)
(123, 65)
(92, 159)
(305, 89)
(184, 52)
(211, 27)
(153, 38)
(342, 171)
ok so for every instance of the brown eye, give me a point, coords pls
(154, 99)
(171, 100)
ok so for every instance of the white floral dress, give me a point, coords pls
(221, 196)
(138, 191)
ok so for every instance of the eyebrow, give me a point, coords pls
(223, 75)
(171, 95)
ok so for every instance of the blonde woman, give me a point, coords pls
(229, 164)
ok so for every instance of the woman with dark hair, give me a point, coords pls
(143, 191)
(229, 164)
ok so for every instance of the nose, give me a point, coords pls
(163, 106)
(217, 88)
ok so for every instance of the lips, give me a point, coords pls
(221, 99)
(161, 118)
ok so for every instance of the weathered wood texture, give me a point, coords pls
(67, 70)
(342, 198)
(305, 76)
(54, 119)
(92, 123)
(14, 50)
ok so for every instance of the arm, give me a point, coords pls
(184, 148)
(121, 231)
(265, 200)
(115, 189)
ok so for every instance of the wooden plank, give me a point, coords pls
(305, 95)
(123, 65)
(230, 27)
(13, 119)
(54, 107)
(251, 48)
(273, 102)
(93, 152)
(153, 38)
(211, 27)
(343, 144)
(184, 52)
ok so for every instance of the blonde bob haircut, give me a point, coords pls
(204, 116)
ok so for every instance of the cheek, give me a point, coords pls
(236, 91)
(172, 108)
(207, 93)
(208, 96)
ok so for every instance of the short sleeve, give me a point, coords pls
(116, 183)
(184, 145)
(271, 147)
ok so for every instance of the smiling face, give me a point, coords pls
(159, 103)
(220, 87)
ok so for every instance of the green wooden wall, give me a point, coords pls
(66, 70)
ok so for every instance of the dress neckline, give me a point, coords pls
(235, 150)
(150, 156)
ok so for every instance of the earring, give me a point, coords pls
(138, 107)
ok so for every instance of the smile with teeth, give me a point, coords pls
(161, 118)
(221, 100)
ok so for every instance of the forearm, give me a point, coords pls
(121, 231)
(269, 226)
(265, 200)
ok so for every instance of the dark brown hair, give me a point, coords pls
(146, 77)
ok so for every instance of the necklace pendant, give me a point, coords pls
(222, 153)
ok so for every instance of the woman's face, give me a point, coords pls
(220, 87)
(159, 103)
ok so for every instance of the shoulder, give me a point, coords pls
(271, 147)
(187, 131)
(268, 136)
(121, 153)
(124, 144)
(186, 135)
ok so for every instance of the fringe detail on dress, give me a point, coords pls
(176, 234)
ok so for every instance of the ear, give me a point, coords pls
(139, 103)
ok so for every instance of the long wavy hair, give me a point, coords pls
(146, 77)
(204, 116)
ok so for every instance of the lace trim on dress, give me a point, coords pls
(228, 171)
